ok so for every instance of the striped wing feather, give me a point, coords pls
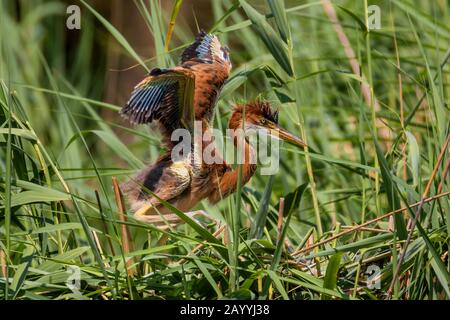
(203, 48)
(167, 97)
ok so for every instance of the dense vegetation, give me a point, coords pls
(373, 105)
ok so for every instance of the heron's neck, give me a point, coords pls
(246, 157)
(247, 164)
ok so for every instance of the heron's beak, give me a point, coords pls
(281, 133)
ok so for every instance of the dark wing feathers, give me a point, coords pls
(167, 97)
(201, 49)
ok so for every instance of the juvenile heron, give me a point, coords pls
(174, 98)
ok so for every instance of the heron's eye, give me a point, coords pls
(263, 121)
(225, 53)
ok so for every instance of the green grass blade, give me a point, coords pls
(279, 12)
(117, 35)
(276, 47)
(261, 215)
(331, 275)
(391, 192)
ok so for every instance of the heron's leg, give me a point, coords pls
(149, 214)
(166, 221)
(141, 214)
(200, 213)
(196, 213)
(173, 219)
(163, 221)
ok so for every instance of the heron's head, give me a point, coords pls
(259, 116)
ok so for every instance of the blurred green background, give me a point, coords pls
(372, 104)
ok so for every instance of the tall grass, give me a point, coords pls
(335, 217)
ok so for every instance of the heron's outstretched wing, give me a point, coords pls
(165, 95)
(204, 48)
